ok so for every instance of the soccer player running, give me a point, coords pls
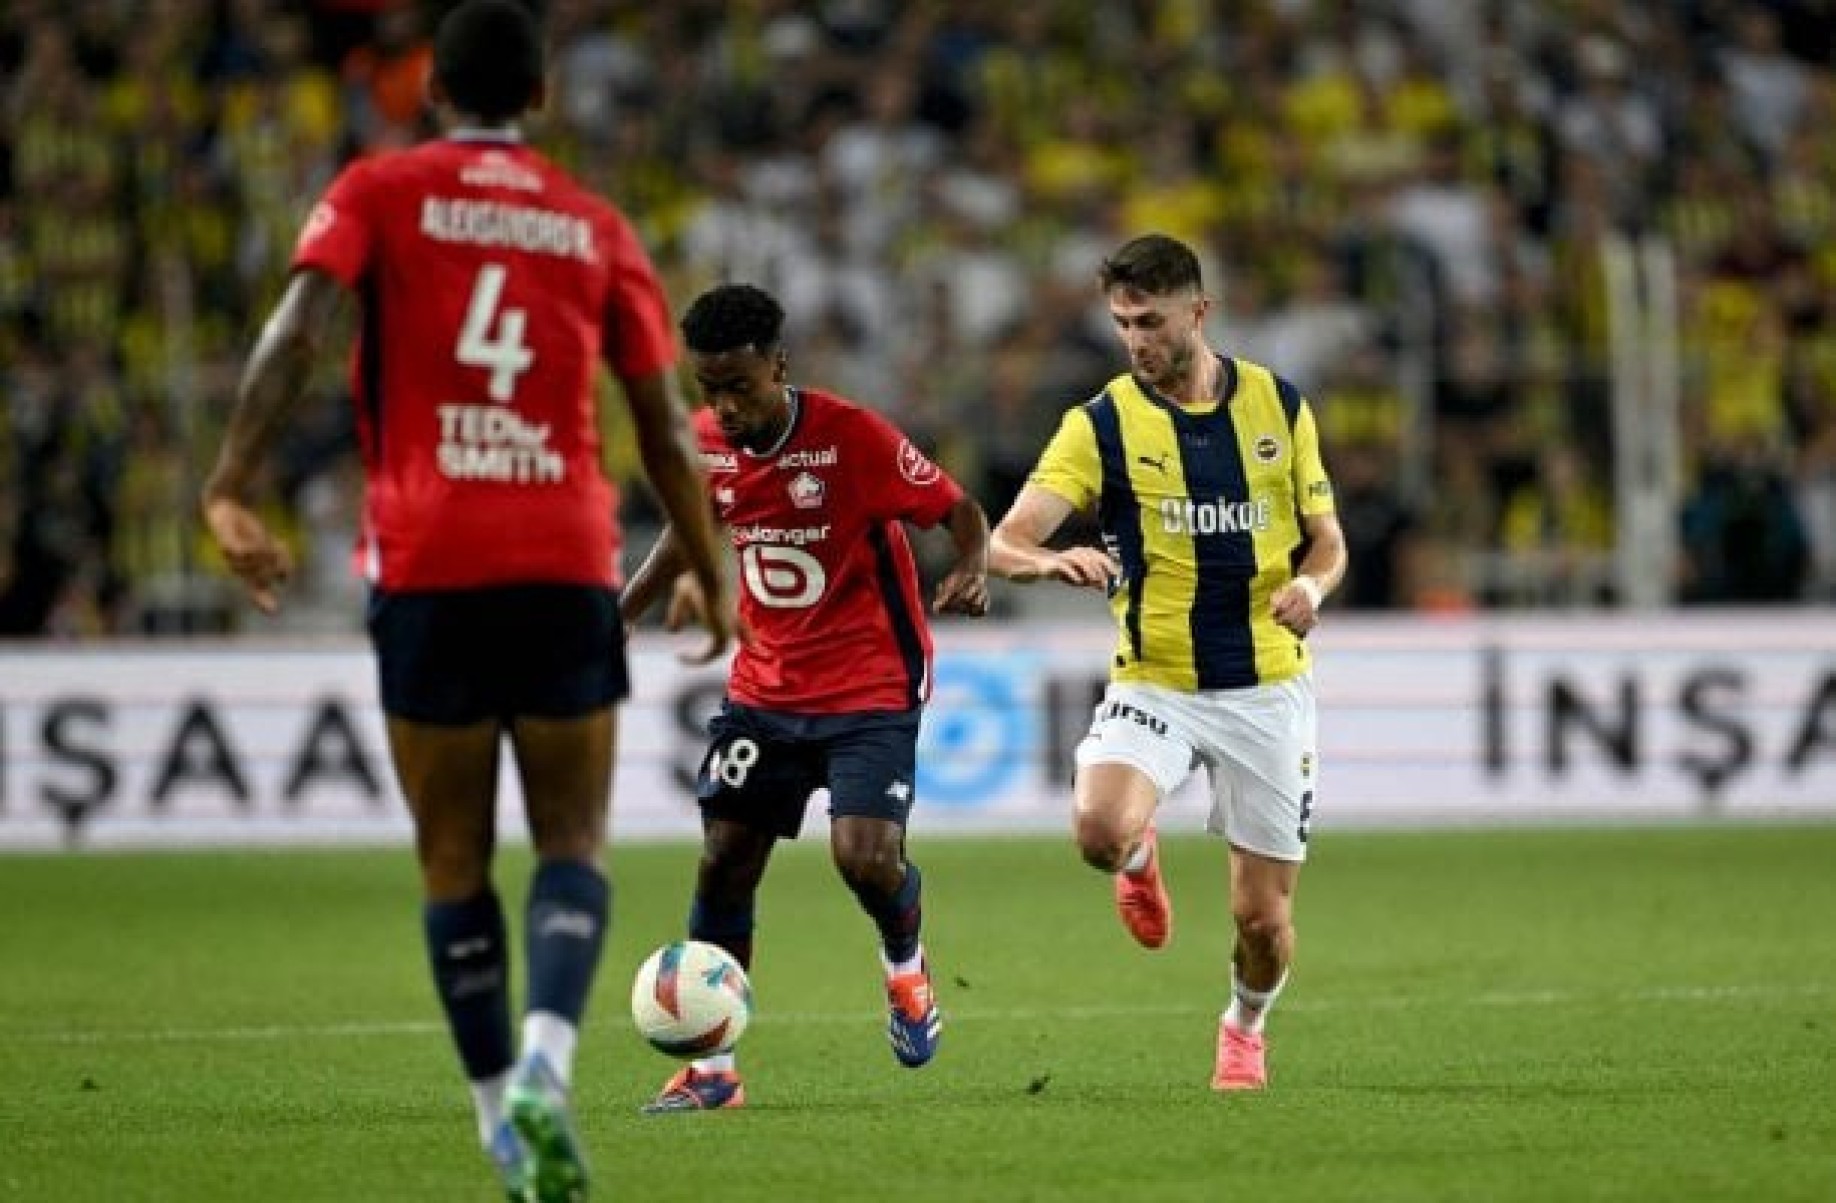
(1204, 473)
(827, 689)
(491, 286)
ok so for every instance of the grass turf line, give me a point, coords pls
(1599, 1014)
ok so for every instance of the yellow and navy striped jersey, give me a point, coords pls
(1202, 505)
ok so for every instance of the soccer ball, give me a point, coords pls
(691, 999)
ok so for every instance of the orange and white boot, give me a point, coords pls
(1142, 900)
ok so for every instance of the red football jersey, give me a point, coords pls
(827, 582)
(492, 287)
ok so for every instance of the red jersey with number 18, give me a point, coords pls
(827, 583)
(492, 287)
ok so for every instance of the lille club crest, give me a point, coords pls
(806, 491)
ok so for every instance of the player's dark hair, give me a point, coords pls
(1152, 263)
(488, 59)
(732, 317)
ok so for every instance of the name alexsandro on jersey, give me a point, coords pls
(496, 224)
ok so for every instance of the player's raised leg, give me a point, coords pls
(733, 860)
(1113, 820)
(1262, 903)
(566, 770)
(448, 775)
(1134, 755)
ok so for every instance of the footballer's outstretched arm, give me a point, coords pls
(964, 589)
(662, 565)
(1018, 552)
(667, 446)
(666, 567)
(272, 382)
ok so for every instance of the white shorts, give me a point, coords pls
(1257, 745)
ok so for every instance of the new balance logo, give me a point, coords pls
(578, 924)
(1159, 464)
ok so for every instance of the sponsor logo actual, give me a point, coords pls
(825, 457)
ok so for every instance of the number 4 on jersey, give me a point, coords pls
(501, 353)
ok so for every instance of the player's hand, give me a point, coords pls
(1296, 606)
(963, 591)
(252, 552)
(687, 604)
(1085, 567)
(690, 605)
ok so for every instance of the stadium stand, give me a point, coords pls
(1405, 206)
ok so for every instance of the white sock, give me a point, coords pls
(554, 1037)
(719, 1063)
(1248, 1008)
(911, 964)
(488, 1103)
(1138, 859)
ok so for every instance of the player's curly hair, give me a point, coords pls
(488, 58)
(732, 317)
(1153, 263)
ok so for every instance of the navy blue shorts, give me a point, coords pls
(763, 765)
(453, 657)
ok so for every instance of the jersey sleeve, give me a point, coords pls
(903, 482)
(1069, 466)
(638, 339)
(339, 237)
(1312, 487)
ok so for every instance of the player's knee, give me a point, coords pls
(1103, 840)
(872, 865)
(724, 876)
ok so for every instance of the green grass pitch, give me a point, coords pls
(1627, 1014)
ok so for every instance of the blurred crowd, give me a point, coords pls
(1402, 206)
